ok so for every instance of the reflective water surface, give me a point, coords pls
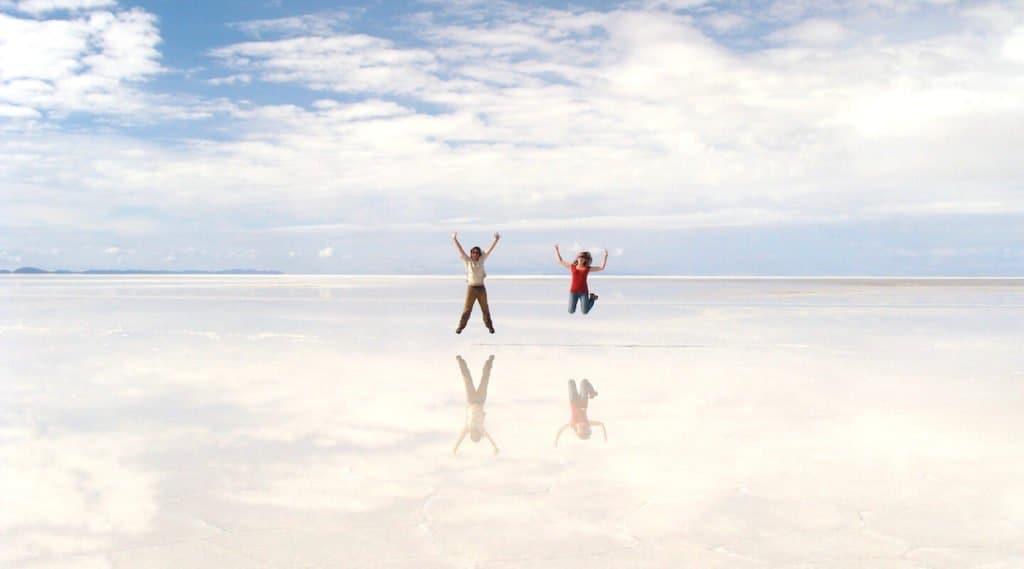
(291, 421)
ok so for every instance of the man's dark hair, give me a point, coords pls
(476, 250)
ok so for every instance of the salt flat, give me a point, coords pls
(309, 421)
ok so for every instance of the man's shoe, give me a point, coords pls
(458, 330)
(491, 328)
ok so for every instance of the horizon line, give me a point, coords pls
(446, 276)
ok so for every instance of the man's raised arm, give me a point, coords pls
(493, 243)
(462, 252)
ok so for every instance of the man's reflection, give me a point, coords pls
(475, 399)
(578, 403)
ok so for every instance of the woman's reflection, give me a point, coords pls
(475, 399)
(578, 420)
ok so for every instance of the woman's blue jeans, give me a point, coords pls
(575, 297)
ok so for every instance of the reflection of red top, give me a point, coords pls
(579, 414)
(579, 279)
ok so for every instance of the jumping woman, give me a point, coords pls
(580, 268)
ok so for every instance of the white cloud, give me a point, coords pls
(314, 24)
(238, 79)
(8, 257)
(37, 7)
(635, 110)
(814, 32)
(118, 251)
(343, 63)
(325, 252)
(1013, 47)
(87, 62)
(726, 21)
(724, 218)
(673, 4)
(369, 109)
(18, 112)
(1000, 17)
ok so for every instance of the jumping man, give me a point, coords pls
(475, 274)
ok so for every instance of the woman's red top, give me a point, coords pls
(579, 279)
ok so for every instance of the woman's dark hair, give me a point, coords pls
(476, 250)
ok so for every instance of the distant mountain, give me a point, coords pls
(35, 271)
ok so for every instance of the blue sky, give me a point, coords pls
(687, 136)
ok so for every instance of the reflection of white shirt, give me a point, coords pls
(475, 270)
(475, 416)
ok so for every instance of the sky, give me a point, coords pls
(792, 137)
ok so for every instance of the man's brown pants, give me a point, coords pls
(476, 294)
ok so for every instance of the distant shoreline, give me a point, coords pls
(37, 271)
(512, 277)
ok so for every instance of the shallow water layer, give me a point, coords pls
(307, 421)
